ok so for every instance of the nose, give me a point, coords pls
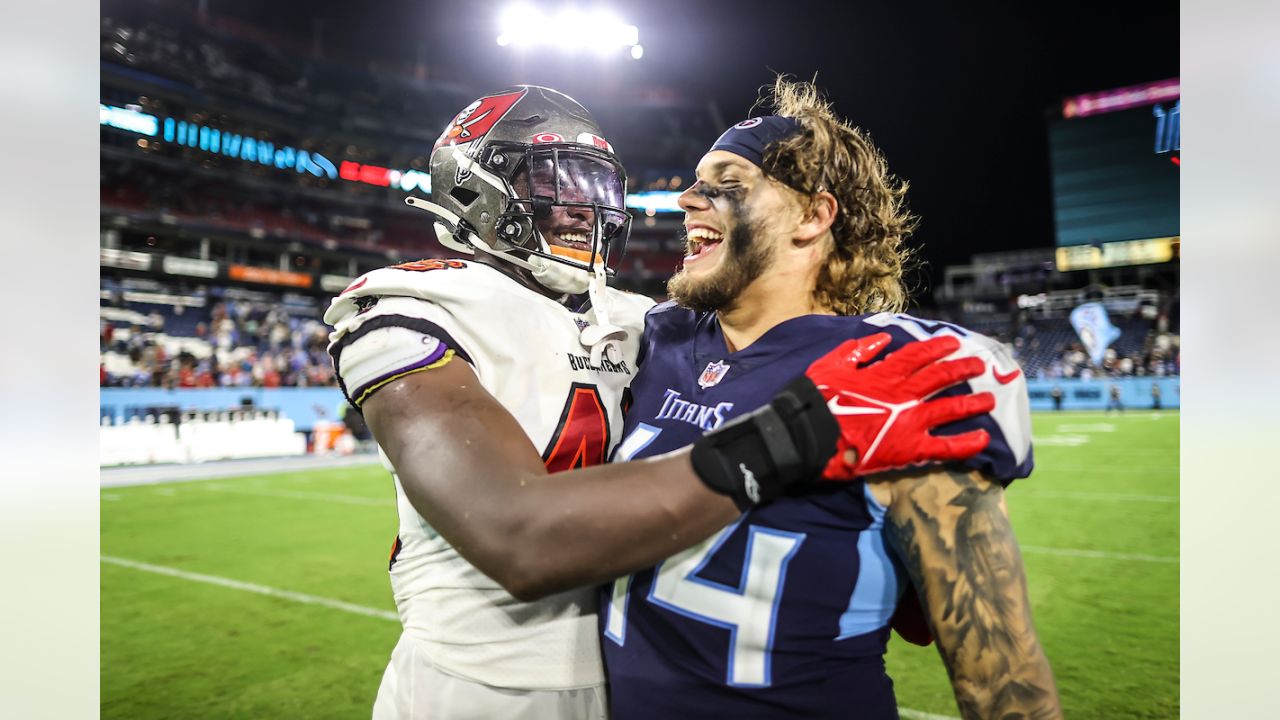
(690, 201)
(579, 212)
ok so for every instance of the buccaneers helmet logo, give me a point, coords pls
(478, 118)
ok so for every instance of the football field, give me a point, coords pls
(266, 596)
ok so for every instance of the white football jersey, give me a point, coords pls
(525, 350)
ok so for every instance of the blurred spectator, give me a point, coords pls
(244, 343)
(1113, 399)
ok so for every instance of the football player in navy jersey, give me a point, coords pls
(795, 232)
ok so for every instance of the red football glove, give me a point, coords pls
(884, 411)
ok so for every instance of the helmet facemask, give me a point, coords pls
(565, 213)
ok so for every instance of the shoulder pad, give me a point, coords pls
(449, 283)
(1009, 455)
(629, 306)
(663, 307)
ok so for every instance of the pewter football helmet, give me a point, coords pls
(509, 160)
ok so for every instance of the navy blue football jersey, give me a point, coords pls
(786, 612)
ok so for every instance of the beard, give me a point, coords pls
(746, 258)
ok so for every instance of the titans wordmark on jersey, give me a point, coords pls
(525, 351)
(785, 613)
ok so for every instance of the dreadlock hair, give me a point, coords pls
(864, 273)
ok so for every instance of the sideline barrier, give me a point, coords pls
(197, 438)
(1093, 394)
(302, 405)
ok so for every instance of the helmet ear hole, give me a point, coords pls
(464, 196)
(512, 229)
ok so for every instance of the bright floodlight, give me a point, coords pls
(569, 29)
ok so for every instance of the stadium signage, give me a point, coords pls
(1168, 127)
(264, 152)
(126, 259)
(1120, 99)
(127, 119)
(1114, 254)
(189, 266)
(247, 148)
(655, 200)
(267, 276)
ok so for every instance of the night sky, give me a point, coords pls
(955, 94)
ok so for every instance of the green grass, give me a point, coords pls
(1108, 625)
(173, 648)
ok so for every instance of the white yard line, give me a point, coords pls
(154, 474)
(1087, 428)
(1097, 554)
(253, 588)
(1068, 495)
(299, 495)
(1108, 469)
(909, 714)
(332, 604)
(1131, 413)
(1060, 440)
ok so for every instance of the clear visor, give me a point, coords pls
(571, 178)
(569, 190)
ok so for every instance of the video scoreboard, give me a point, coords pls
(1115, 158)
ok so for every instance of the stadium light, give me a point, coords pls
(570, 29)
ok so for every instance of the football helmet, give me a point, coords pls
(523, 163)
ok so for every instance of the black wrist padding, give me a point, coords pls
(754, 458)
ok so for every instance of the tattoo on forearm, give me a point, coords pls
(955, 539)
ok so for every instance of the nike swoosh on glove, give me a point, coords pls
(883, 408)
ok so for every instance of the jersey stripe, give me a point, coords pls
(875, 594)
(426, 327)
(435, 360)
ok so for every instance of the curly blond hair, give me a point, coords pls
(864, 273)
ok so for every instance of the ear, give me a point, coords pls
(818, 218)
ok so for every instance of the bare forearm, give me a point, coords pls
(487, 492)
(593, 525)
(951, 530)
(538, 534)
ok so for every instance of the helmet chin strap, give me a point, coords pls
(550, 274)
(603, 337)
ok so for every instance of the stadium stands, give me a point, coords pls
(152, 335)
(217, 268)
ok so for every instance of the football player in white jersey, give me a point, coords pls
(479, 383)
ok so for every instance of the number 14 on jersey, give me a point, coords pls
(748, 611)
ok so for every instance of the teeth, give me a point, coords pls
(573, 238)
(704, 234)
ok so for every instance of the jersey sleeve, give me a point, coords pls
(662, 324)
(388, 347)
(1009, 454)
(380, 338)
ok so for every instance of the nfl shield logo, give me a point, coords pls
(713, 374)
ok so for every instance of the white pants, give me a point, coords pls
(412, 689)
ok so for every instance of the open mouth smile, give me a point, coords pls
(702, 242)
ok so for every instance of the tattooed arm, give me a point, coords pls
(951, 530)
